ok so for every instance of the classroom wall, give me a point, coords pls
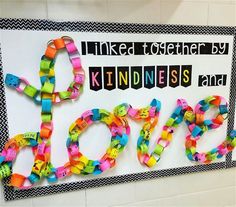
(215, 188)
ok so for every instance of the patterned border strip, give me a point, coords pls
(45, 25)
(232, 99)
(4, 127)
(82, 26)
(73, 186)
(3, 118)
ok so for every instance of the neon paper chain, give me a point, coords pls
(117, 123)
(46, 97)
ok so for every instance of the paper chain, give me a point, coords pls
(46, 97)
(117, 123)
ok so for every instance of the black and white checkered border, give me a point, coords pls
(232, 100)
(45, 25)
(4, 133)
(73, 186)
(83, 26)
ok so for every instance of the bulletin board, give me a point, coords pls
(123, 63)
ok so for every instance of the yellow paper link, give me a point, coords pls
(84, 160)
(50, 73)
(113, 153)
(39, 165)
(166, 135)
(73, 127)
(108, 119)
(189, 116)
(147, 135)
(120, 110)
(75, 170)
(151, 162)
(21, 141)
(76, 163)
(47, 169)
(144, 112)
(147, 126)
(74, 132)
(80, 166)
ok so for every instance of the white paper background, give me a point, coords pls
(21, 53)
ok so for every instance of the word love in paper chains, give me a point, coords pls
(116, 121)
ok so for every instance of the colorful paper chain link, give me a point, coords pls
(120, 130)
(197, 126)
(117, 123)
(46, 97)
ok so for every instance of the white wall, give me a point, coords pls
(215, 188)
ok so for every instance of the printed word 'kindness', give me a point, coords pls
(136, 77)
